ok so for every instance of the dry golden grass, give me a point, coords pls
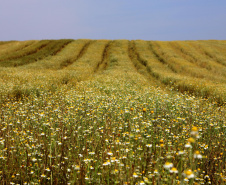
(196, 67)
(113, 112)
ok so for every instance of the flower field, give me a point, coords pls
(112, 112)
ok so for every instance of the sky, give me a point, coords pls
(113, 19)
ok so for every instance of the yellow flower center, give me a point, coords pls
(188, 172)
(195, 129)
(191, 140)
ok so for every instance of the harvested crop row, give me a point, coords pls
(67, 55)
(4, 42)
(196, 56)
(88, 60)
(118, 56)
(214, 52)
(182, 83)
(9, 48)
(34, 53)
(102, 65)
(216, 66)
(180, 64)
(92, 57)
(120, 67)
(20, 53)
(140, 65)
(85, 45)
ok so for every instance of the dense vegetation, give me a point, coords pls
(112, 112)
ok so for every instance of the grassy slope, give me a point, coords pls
(107, 101)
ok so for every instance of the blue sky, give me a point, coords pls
(113, 19)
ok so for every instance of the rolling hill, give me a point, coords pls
(112, 112)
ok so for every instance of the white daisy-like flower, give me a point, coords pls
(126, 111)
(142, 183)
(34, 159)
(194, 131)
(188, 145)
(80, 155)
(47, 169)
(189, 174)
(107, 163)
(173, 170)
(110, 153)
(43, 175)
(135, 175)
(168, 165)
(91, 167)
(181, 152)
(77, 167)
(197, 155)
(206, 147)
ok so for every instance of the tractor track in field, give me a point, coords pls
(69, 62)
(61, 48)
(214, 58)
(25, 46)
(137, 61)
(5, 42)
(18, 49)
(34, 51)
(188, 57)
(183, 53)
(102, 65)
(193, 59)
(141, 64)
(210, 56)
(134, 55)
(44, 50)
(160, 58)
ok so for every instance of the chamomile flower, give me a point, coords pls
(168, 165)
(43, 175)
(77, 167)
(189, 174)
(110, 153)
(107, 163)
(197, 155)
(135, 175)
(191, 140)
(194, 131)
(149, 145)
(181, 152)
(142, 183)
(173, 170)
(47, 169)
(188, 145)
(34, 159)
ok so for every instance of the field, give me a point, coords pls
(112, 112)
